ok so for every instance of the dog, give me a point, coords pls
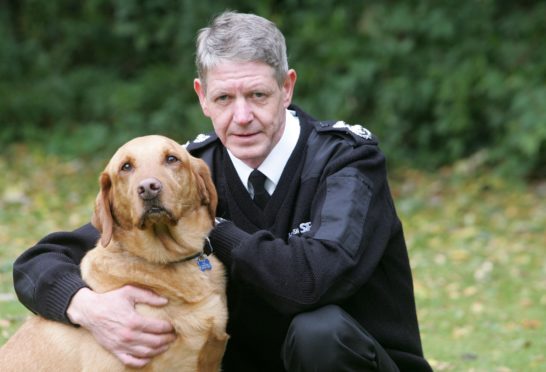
(154, 210)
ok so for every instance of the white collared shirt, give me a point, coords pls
(273, 166)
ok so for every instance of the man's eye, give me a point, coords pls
(259, 96)
(222, 98)
(171, 159)
(127, 167)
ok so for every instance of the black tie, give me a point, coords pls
(257, 179)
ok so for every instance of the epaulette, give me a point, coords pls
(202, 140)
(356, 131)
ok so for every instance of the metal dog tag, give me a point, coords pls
(204, 263)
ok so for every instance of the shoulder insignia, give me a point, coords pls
(357, 131)
(202, 140)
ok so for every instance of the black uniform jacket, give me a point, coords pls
(329, 234)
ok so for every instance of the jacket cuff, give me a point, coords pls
(59, 296)
(224, 238)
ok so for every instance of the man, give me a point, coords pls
(319, 273)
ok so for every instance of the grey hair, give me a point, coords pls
(233, 36)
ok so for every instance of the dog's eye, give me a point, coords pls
(127, 167)
(171, 159)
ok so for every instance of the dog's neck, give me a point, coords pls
(207, 250)
(116, 266)
(173, 243)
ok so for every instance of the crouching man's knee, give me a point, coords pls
(328, 339)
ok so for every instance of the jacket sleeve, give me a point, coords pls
(47, 275)
(353, 223)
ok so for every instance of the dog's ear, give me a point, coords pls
(206, 188)
(102, 216)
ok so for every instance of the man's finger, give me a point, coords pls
(157, 327)
(144, 296)
(142, 352)
(132, 361)
(153, 340)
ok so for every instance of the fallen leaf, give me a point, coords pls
(531, 323)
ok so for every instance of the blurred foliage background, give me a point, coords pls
(455, 90)
(437, 81)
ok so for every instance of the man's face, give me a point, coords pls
(246, 106)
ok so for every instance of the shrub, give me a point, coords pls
(437, 81)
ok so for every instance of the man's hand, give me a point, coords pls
(113, 321)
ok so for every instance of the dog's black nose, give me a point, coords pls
(149, 188)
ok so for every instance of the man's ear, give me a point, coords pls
(102, 216)
(205, 186)
(199, 88)
(288, 87)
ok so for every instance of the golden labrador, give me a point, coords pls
(155, 208)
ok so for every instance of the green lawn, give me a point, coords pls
(477, 245)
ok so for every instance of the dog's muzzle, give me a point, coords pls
(149, 189)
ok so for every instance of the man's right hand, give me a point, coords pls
(113, 321)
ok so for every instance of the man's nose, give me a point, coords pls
(242, 112)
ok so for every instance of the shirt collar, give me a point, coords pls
(275, 162)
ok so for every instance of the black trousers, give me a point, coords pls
(328, 339)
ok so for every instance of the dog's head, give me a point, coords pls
(153, 187)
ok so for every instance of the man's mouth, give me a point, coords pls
(246, 135)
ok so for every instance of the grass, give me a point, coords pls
(39, 194)
(476, 244)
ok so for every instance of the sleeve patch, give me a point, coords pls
(345, 209)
